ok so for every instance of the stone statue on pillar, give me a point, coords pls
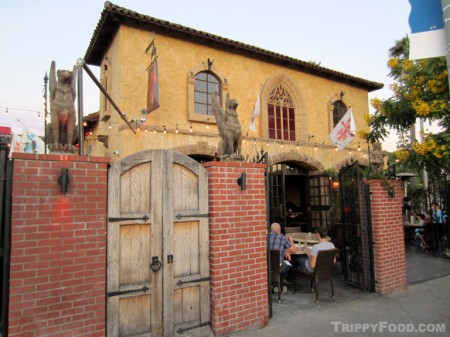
(62, 130)
(230, 131)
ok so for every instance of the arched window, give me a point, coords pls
(339, 110)
(281, 115)
(206, 84)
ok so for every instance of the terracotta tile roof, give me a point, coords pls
(113, 16)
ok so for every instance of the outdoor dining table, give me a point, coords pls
(309, 238)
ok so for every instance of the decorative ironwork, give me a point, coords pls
(143, 218)
(179, 283)
(117, 293)
(357, 248)
(179, 216)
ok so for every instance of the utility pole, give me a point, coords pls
(446, 16)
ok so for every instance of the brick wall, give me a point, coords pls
(388, 237)
(58, 253)
(238, 258)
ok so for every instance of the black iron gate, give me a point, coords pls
(356, 227)
(5, 233)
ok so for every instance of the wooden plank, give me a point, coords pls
(156, 197)
(135, 189)
(135, 315)
(113, 257)
(203, 246)
(167, 235)
(135, 254)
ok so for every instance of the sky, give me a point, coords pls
(349, 36)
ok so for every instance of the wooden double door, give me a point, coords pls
(158, 246)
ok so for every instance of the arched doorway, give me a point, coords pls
(299, 197)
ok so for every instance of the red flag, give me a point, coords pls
(153, 87)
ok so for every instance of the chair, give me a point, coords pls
(275, 271)
(322, 272)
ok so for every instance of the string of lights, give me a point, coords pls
(9, 109)
(264, 142)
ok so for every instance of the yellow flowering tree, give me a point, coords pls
(420, 89)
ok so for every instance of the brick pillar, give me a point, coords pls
(238, 257)
(58, 252)
(388, 237)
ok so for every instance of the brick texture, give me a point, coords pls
(58, 254)
(388, 237)
(238, 257)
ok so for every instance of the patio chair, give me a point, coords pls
(275, 272)
(322, 272)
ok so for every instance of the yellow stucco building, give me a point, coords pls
(300, 102)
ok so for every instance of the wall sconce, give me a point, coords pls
(64, 180)
(241, 181)
(335, 184)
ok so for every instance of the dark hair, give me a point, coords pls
(322, 231)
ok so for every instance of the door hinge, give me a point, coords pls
(179, 283)
(179, 216)
(116, 293)
(144, 218)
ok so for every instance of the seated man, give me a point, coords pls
(309, 262)
(286, 247)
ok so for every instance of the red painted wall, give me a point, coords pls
(58, 252)
(388, 237)
(238, 257)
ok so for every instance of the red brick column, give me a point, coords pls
(58, 253)
(388, 237)
(238, 258)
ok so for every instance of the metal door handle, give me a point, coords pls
(156, 264)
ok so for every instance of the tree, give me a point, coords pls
(420, 89)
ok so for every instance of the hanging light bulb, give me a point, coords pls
(176, 130)
(335, 148)
(146, 127)
(39, 114)
(254, 141)
(190, 128)
(6, 111)
(267, 142)
(281, 145)
(359, 147)
(154, 129)
(297, 146)
(165, 131)
(315, 146)
(110, 126)
(207, 123)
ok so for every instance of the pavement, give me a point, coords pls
(423, 309)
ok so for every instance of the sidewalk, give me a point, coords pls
(422, 306)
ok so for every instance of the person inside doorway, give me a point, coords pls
(420, 232)
(286, 246)
(308, 262)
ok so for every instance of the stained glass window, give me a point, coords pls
(281, 115)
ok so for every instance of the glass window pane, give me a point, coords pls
(212, 79)
(200, 85)
(200, 108)
(201, 76)
(200, 97)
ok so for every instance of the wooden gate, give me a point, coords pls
(158, 246)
